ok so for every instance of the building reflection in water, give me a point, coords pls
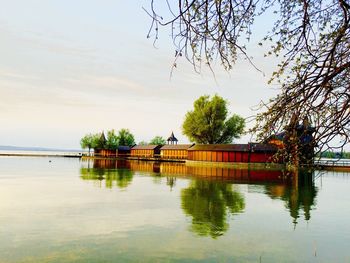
(212, 194)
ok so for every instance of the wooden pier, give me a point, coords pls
(333, 164)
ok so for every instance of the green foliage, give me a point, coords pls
(100, 141)
(89, 141)
(143, 143)
(334, 155)
(112, 141)
(208, 122)
(327, 154)
(86, 141)
(158, 140)
(126, 138)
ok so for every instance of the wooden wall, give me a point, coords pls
(174, 154)
(229, 156)
(105, 153)
(142, 153)
(121, 153)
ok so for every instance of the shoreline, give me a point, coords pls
(67, 155)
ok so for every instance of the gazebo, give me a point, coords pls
(172, 139)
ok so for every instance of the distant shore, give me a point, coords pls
(42, 154)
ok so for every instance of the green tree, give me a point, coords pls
(311, 39)
(125, 138)
(143, 143)
(208, 122)
(89, 141)
(101, 141)
(346, 155)
(112, 140)
(158, 140)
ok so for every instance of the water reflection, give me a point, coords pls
(111, 172)
(171, 181)
(300, 196)
(208, 203)
(213, 193)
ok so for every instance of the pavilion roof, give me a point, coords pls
(172, 138)
(220, 147)
(103, 138)
(251, 147)
(146, 147)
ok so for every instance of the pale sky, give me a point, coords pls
(68, 68)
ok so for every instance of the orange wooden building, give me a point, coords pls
(175, 151)
(145, 151)
(237, 153)
(105, 153)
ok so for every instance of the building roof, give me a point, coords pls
(220, 147)
(263, 147)
(145, 147)
(251, 147)
(176, 147)
(172, 138)
(103, 138)
(124, 148)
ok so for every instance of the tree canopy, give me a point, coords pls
(89, 141)
(158, 140)
(311, 38)
(101, 141)
(126, 138)
(143, 143)
(207, 123)
(113, 140)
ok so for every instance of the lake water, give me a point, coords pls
(68, 210)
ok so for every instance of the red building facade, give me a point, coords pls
(235, 153)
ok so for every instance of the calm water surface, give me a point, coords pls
(67, 210)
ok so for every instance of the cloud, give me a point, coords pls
(13, 75)
(106, 83)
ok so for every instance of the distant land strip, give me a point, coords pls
(21, 148)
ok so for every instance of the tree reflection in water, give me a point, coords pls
(171, 182)
(112, 172)
(211, 197)
(301, 195)
(208, 203)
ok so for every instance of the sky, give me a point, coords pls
(69, 68)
